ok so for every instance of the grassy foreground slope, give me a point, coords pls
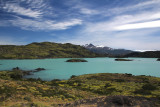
(44, 50)
(15, 90)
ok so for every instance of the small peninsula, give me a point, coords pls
(17, 72)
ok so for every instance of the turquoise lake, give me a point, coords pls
(59, 69)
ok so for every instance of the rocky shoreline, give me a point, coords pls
(30, 72)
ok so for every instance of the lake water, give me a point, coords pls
(59, 69)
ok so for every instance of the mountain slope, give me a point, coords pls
(147, 54)
(106, 50)
(44, 50)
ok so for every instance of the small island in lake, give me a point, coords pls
(39, 69)
(76, 60)
(158, 59)
(123, 59)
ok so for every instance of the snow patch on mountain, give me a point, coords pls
(106, 50)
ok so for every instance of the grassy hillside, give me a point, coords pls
(15, 90)
(43, 50)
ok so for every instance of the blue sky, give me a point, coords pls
(129, 24)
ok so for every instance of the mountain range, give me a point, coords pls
(57, 50)
(106, 50)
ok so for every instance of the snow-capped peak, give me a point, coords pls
(100, 46)
(89, 45)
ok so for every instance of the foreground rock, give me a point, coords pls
(16, 68)
(123, 60)
(76, 60)
(114, 101)
(158, 59)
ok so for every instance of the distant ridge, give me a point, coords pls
(57, 50)
(44, 50)
(145, 50)
(147, 54)
(106, 50)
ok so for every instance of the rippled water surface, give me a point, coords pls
(59, 69)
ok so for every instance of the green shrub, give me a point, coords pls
(142, 92)
(27, 98)
(146, 89)
(107, 85)
(16, 74)
(149, 87)
(73, 76)
(119, 80)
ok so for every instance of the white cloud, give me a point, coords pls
(40, 13)
(140, 17)
(151, 4)
(150, 24)
(148, 3)
(82, 8)
(15, 8)
(66, 24)
(38, 4)
(29, 24)
(126, 22)
(88, 11)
